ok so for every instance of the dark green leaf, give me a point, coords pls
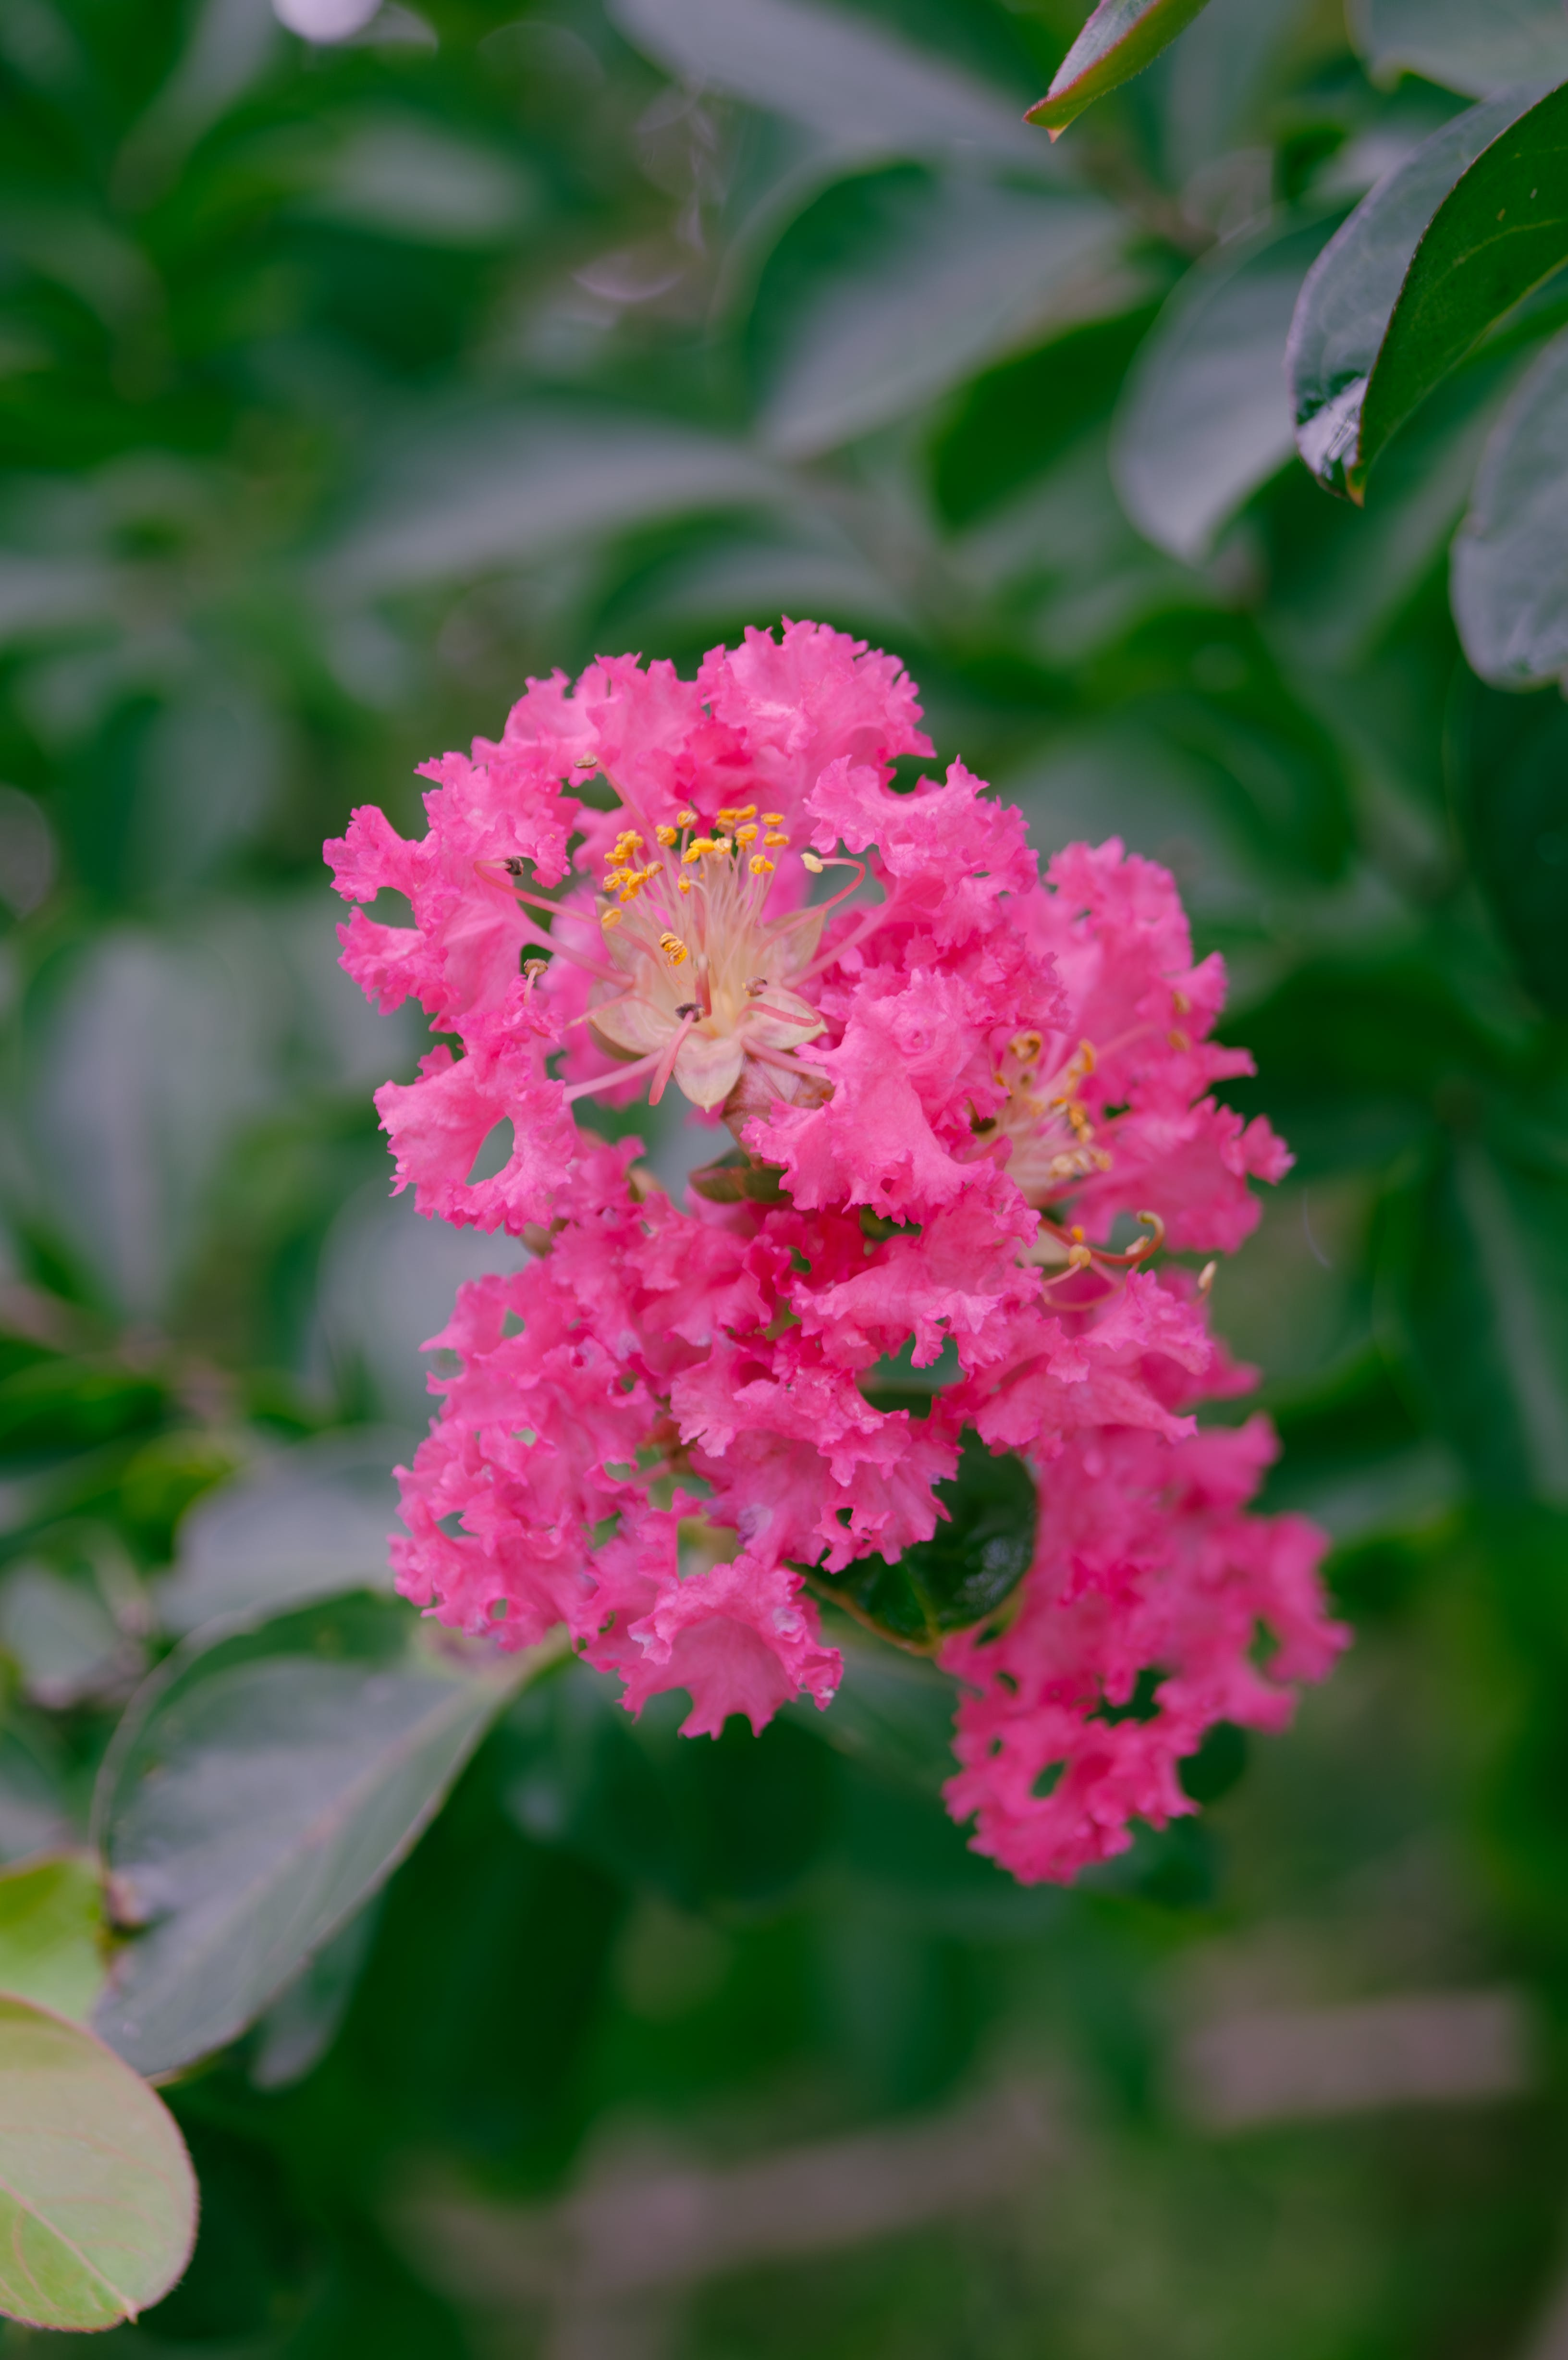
(1351, 287)
(1205, 419)
(97, 2202)
(1510, 766)
(259, 1789)
(1120, 39)
(968, 1568)
(1510, 576)
(1500, 233)
(1460, 45)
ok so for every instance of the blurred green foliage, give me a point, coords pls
(341, 388)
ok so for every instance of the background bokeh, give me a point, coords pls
(342, 386)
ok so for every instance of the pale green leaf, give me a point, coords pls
(97, 2198)
(1461, 44)
(51, 1930)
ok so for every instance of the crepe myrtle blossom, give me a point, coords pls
(951, 1085)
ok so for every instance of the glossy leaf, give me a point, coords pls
(1500, 232)
(51, 1933)
(97, 2202)
(1120, 39)
(1350, 289)
(1460, 46)
(1511, 581)
(1205, 419)
(944, 274)
(1509, 760)
(968, 1568)
(260, 1788)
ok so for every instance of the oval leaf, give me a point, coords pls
(97, 2200)
(1511, 579)
(968, 1568)
(259, 1789)
(1205, 419)
(1351, 287)
(1460, 46)
(1120, 39)
(1500, 231)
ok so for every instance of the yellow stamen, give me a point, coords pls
(674, 949)
(685, 819)
(1179, 1041)
(611, 918)
(1026, 1047)
(776, 835)
(684, 884)
(667, 836)
(1181, 1003)
(696, 849)
(809, 860)
(723, 843)
(772, 819)
(760, 865)
(745, 836)
(730, 813)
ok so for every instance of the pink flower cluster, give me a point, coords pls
(949, 1088)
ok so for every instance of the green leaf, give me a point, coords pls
(1509, 760)
(1460, 45)
(1350, 289)
(1500, 233)
(309, 1523)
(97, 2200)
(261, 1787)
(1510, 582)
(1120, 39)
(1205, 419)
(968, 1568)
(1479, 1268)
(51, 1923)
(906, 282)
(860, 88)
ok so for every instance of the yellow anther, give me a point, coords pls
(1181, 1003)
(1079, 1257)
(1178, 1040)
(723, 843)
(1076, 1234)
(696, 849)
(747, 835)
(1026, 1047)
(809, 860)
(730, 813)
(776, 835)
(667, 836)
(674, 949)
(760, 865)
(610, 918)
(534, 967)
(684, 884)
(772, 819)
(1206, 1277)
(687, 818)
